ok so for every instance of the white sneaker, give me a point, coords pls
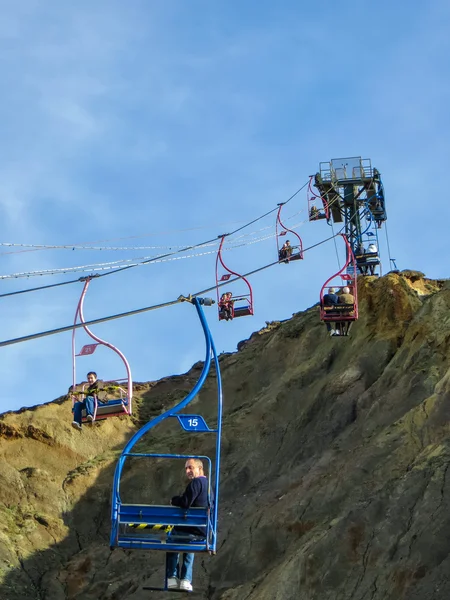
(186, 585)
(172, 583)
(90, 419)
(76, 425)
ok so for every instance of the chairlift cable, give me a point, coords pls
(137, 311)
(335, 246)
(36, 247)
(80, 247)
(42, 287)
(90, 268)
(391, 260)
(159, 257)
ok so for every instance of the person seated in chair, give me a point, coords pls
(378, 213)
(330, 299)
(286, 251)
(373, 260)
(361, 259)
(346, 297)
(313, 213)
(195, 495)
(226, 306)
(88, 402)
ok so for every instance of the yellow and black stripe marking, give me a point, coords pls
(157, 527)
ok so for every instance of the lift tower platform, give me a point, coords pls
(351, 189)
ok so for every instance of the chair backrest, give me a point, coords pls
(163, 515)
(152, 527)
(242, 311)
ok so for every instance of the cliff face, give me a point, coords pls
(334, 481)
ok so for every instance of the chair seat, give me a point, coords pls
(242, 311)
(109, 408)
(164, 514)
(371, 257)
(339, 312)
(339, 308)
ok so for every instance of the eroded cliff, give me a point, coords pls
(334, 481)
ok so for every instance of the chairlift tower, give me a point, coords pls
(351, 189)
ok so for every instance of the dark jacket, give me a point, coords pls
(195, 495)
(93, 389)
(330, 299)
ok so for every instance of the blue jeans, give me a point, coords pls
(173, 565)
(88, 403)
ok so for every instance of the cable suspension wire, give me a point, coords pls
(73, 247)
(391, 260)
(130, 313)
(113, 264)
(106, 266)
(143, 260)
(187, 248)
(78, 247)
(213, 239)
(42, 287)
(92, 322)
(36, 247)
(243, 235)
(270, 211)
(277, 262)
(335, 246)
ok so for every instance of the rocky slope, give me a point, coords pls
(334, 481)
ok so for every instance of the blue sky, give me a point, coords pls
(168, 123)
